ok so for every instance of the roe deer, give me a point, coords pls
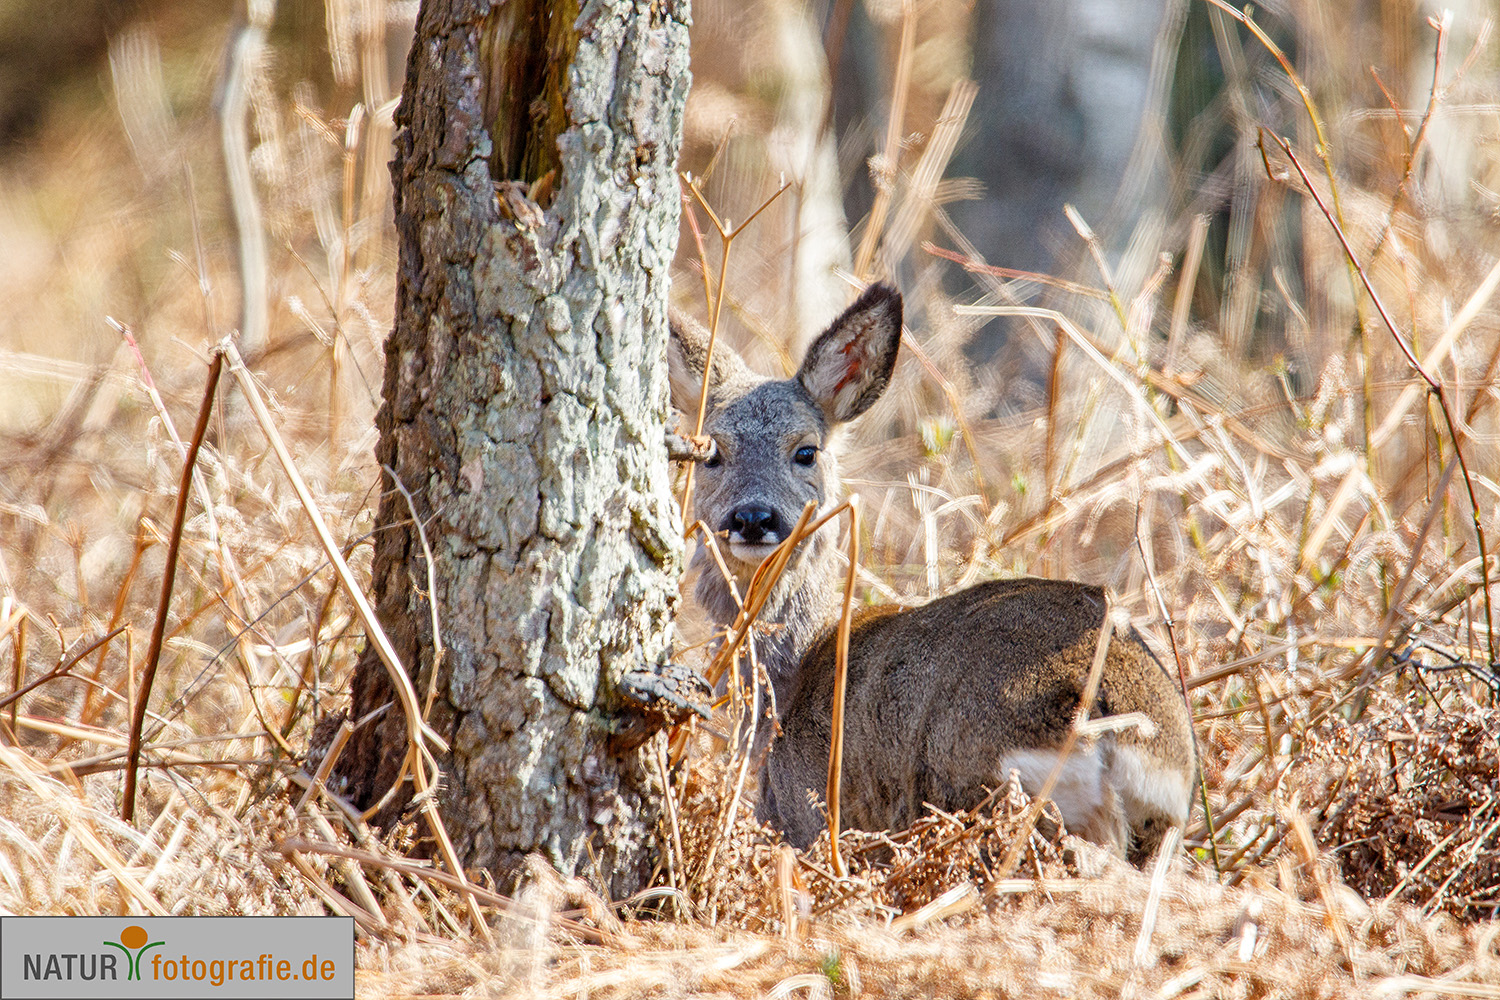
(943, 700)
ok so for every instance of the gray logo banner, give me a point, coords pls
(170, 957)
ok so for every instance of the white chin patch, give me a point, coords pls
(746, 552)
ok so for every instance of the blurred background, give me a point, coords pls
(1136, 351)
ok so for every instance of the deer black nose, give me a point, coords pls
(752, 523)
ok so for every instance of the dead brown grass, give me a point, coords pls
(1059, 937)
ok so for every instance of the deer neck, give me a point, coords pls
(802, 604)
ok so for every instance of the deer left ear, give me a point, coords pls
(850, 364)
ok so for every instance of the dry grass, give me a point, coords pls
(1274, 500)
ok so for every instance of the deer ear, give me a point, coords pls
(850, 364)
(687, 350)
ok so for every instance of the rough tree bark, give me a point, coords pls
(525, 404)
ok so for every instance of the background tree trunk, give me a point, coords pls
(525, 404)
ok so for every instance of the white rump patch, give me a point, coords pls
(1086, 800)
(1147, 789)
(1106, 790)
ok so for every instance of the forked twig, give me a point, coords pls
(1439, 90)
(714, 296)
(60, 670)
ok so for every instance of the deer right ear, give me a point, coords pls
(687, 352)
(850, 364)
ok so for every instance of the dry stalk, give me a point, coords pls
(1440, 25)
(68, 812)
(1171, 626)
(1182, 304)
(1096, 252)
(1434, 387)
(336, 901)
(787, 890)
(742, 743)
(1437, 354)
(243, 51)
(1307, 848)
(1476, 845)
(1324, 150)
(319, 781)
(169, 574)
(676, 862)
(727, 236)
(1398, 594)
(761, 584)
(1095, 354)
(18, 660)
(1165, 854)
(840, 683)
(922, 192)
(122, 595)
(955, 405)
(974, 265)
(759, 591)
(883, 172)
(438, 649)
(416, 870)
(421, 737)
(959, 899)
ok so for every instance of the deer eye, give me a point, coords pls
(805, 455)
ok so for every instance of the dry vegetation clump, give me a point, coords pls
(1212, 420)
(741, 873)
(1407, 802)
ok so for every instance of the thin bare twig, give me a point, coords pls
(60, 670)
(169, 575)
(1433, 386)
(438, 649)
(715, 297)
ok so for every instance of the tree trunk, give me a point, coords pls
(525, 405)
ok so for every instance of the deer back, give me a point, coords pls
(944, 700)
